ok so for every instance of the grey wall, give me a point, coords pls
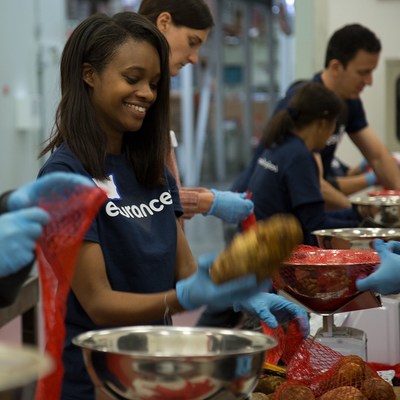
(30, 30)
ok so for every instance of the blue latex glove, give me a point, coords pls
(199, 290)
(19, 231)
(393, 246)
(56, 183)
(386, 279)
(371, 178)
(231, 207)
(273, 310)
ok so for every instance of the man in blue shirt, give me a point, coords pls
(351, 57)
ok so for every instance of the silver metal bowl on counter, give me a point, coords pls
(378, 211)
(151, 362)
(20, 368)
(353, 238)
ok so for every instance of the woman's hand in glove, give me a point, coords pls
(19, 231)
(56, 183)
(273, 310)
(393, 246)
(231, 207)
(199, 290)
(386, 279)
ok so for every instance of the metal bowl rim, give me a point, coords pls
(375, 200)
(82, 341)
(349, 233)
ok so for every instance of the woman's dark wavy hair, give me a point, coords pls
(311, 102)
(346, 42)
(95, 42)
(194, 14)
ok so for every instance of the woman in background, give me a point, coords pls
(186, 26)
(286, 177)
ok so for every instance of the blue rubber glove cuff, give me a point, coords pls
(370, 177)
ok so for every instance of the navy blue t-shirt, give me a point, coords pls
(285, 180)
(136, 229)
(353, 121)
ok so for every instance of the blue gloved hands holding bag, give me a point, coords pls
(386, 279)
(231, 207)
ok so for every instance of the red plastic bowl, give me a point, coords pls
(324, 279)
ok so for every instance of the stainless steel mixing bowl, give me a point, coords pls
(378, 211)
(353, 238)
(324, 280)
(20, 368)
(151, 362)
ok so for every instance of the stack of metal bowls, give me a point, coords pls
(20, 368)
(354, 238)
(151, 362)
(379, 209)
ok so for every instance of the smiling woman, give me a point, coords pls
(124, 90)
(112, 126)
(134, 265)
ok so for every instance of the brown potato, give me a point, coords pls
(268, 384)
(352, 358)
(343, 393)
(259, 250)
(350, 374)
(378, 389)
(348, 371)
(259, 396)
(295, 391)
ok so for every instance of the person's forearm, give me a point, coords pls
(195, 200)
(333, 198)
(351, 184)
(387, 172)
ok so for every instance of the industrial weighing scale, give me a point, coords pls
(343, 339)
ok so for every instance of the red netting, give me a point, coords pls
(250, 221)
(314, 370)
(71, 214)
(324, 279)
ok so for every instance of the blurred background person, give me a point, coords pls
(186, 27)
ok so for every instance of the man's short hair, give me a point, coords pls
(346, 42)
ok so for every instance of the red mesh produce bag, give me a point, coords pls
(328, 374)
(71, 215)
